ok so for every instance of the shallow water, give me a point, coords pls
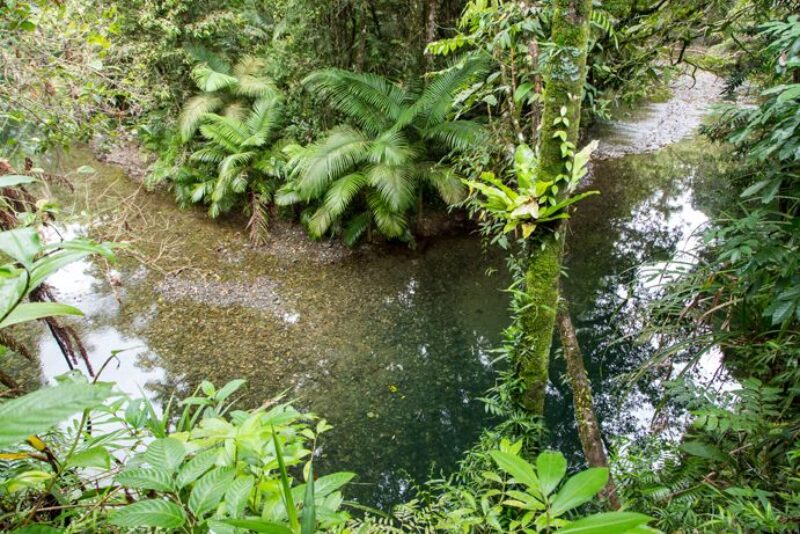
(391, 345)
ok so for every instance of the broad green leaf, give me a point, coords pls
(196, 467)
(703, 450)
(165, 453)
(579, 489)
(606, 523)
(10, 180)
(237, 494)
(39, 411)
(258, 525)
(326, 485)
(209, 490)
(145, 478)
(38, 528)
(93, 457)
(518, 468)
(551, 467)
(30, 311)
(156, 513)
(229, 389)
(21, 244)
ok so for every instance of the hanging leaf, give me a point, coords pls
(155, 513)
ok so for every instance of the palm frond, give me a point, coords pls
(288, 195)
(391, 148)
(232, 165)
(227, 132)
(210, 80)
(202, 54)
(249, 66)
(369, 99)
(321, 163)
(236, 111)
(389, 222)
(342, 192)
(456, 135)
(263, 121)
(193, 112)
(356, 227)
(437, 98)
(257, 225)
(394, 184)
(209, 154)
(447, 183)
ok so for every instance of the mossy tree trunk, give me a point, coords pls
(564, 80)
(583, 403)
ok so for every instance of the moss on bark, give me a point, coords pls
(564, 80)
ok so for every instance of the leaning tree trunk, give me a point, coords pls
(564, 80)
(588, 427)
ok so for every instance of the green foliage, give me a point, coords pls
(536, 201)
(199, 472)
(374, 173)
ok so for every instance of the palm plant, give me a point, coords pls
(375, 170)
(224, 87)
(249, 163)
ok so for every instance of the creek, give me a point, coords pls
(392, 346)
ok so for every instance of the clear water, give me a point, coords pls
(391, 345)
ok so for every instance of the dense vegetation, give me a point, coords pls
(358, 120)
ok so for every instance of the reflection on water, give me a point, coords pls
(650, 209)
(390, 345)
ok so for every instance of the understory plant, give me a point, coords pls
(238, 160)
(376, 171)
(122, 466)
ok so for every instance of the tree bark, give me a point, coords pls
(588, 427)
(563, 88)
(431, 11)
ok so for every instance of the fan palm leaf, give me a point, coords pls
(356, 228)
(437, 98)
(209, 154)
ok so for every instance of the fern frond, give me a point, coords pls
(456, 135)
(193, 112)
(321, 163)
(388, 221)
(394, 183)
(369, 99)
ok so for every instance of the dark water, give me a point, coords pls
(651, 207)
